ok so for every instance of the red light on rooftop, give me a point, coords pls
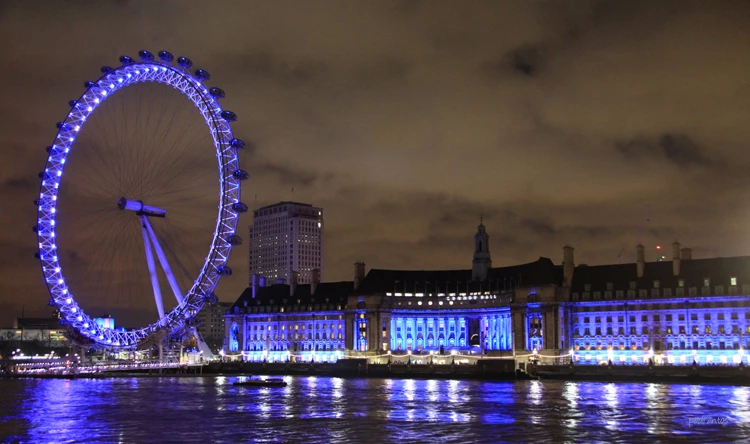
(658, 247)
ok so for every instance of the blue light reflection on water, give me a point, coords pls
(322, 409)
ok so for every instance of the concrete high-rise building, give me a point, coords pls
(211, 326)
(285, 238)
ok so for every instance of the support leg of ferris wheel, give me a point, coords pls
(163, 260)
(152, 269)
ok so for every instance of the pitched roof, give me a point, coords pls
(719, 270)
(539, 272)
(279, 294)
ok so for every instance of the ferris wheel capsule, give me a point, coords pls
(145, 55)
(184, 62)
(166, 56)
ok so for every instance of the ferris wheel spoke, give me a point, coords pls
(163, 259)
(170, 160)
(152, 272)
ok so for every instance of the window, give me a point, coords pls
(732, 281)
(644, 318)
(610, 286)
(657, 284)
(632, 285)
(706, 282)
(680, 283)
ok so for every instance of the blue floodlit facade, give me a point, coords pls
(683, 311)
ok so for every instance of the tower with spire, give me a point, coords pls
(482, 261)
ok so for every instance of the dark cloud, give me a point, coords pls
(20, 183)
(525, 61)
(269, 66)
(677, 149)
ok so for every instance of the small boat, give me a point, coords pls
(262, 383)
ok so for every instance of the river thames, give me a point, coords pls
(321, 409)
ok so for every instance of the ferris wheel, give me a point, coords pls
(138, 206)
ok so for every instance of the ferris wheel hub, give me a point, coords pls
(140, 208)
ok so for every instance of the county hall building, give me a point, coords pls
(680, 311)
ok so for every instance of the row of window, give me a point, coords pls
(656, 292)
(673, 344)
(668, 317)
(303, 336)
(657, 284)
(644, 330)
(296, 326)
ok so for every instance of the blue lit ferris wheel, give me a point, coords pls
(143, 193)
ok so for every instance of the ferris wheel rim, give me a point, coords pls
(190, 85)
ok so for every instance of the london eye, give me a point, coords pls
(127, 218)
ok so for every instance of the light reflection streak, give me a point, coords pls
(612, 413)
(740, 398)
(570, 394)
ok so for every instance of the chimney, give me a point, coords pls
(359, 273)
(641, 260)
(568, 266)
(315, 280)
(676, 258)
(295, 281)
(686, 253)
(254, 284)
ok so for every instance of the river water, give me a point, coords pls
(321, 409)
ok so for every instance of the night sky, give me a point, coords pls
(594, 124)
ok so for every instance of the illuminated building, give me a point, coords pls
(43, 331)
(294, 322)
(286, 237)
(680, 311)
(684, 311)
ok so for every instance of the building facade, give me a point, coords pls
(684, 311)
(212, 324)
(286, 237)
(680, 312)
(288, 322)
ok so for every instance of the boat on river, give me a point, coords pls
(262, 383)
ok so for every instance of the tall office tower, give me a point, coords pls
(284, 238)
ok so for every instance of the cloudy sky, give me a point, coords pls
(594, 124)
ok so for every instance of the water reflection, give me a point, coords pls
(366, 410)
